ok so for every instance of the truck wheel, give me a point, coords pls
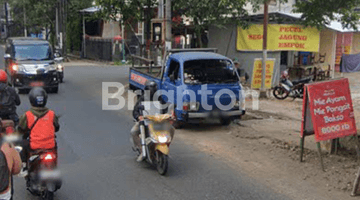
(225, 121)
(55, 89)
(176, 123)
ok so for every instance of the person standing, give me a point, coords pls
(244, 77)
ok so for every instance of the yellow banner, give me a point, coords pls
(280, 38)
(257, 73)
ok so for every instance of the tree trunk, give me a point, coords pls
(198, 30)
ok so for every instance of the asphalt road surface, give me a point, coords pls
(97, 162)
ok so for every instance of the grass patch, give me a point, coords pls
(120, 63)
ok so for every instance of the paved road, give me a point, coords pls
(97, 161)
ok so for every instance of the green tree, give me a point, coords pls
(319, 13)
(74, 23)
(316, 13)
(211, 12)
(127, 11)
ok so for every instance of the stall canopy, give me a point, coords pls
(350, 63)
(91, 9)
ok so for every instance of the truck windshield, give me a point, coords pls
(212, 71)
(32, 52)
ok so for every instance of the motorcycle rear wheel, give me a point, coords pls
(48, 195)
(280, 93)
(161, 163)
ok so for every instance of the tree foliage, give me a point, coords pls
(74, 23)
(41, 14)
(319, 13)
(124, 10)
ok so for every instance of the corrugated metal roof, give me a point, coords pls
(334, 25)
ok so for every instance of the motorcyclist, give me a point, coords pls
(39, 124)
(9, 98)
(13, 161)
(147, 95)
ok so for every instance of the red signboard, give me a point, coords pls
(138, 79)
(327, 110)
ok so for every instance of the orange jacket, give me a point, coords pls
(42, 135)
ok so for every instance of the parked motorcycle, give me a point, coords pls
(155, 136)
(287, 88)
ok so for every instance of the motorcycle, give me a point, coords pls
(60, 65)
(44, 177)
(287, 88)
(155, 137)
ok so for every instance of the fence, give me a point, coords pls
(109, 50)
(99, 49)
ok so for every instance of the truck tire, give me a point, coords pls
(176, 123)
(55, 89)
(225, 121)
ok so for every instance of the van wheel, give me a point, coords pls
(225, 121)
(176, 123)
(55, 89)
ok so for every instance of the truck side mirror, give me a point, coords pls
(172, 78)
(59, 59)
(7, 56)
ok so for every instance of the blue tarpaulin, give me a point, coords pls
(350, 63)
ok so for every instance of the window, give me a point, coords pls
(211, 71)
(174, 69)
(33, 52)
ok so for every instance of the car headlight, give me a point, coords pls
(15, 67)
(51, 67)
(163, 139)
(60, 67)
(18, 68)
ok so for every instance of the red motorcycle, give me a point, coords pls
(287, 87)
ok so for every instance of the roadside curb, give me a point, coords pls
(74, 57)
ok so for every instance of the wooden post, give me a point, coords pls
(356, 184)
(302, 142)
(337, 140)
(357, 147)
(320, 155)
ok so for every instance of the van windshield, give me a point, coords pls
(32, 52)
(211, 71)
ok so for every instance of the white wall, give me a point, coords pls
(111, 29)
(284, 7)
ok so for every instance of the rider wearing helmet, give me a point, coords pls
(39, 124)
(9, 99)
(147, 95)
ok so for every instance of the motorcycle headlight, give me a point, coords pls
(60, 67)
(163, 139)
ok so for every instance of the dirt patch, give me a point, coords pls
(275, 161)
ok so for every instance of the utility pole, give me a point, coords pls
(148, 27)
(64, 28)
(266, 13)
(57, 23)
(25, 31)
(6, 20)
(168, 35)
